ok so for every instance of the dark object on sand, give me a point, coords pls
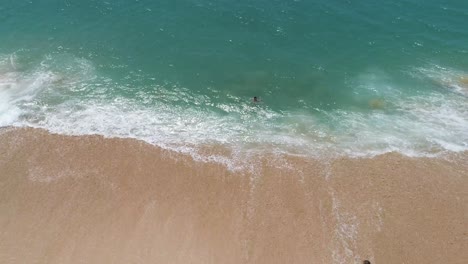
(366, 262)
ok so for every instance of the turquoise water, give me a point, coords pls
(341, 77)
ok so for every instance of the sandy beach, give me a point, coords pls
(89, 199)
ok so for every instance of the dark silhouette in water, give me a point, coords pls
(255, 99)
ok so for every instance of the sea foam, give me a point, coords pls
(68, 95)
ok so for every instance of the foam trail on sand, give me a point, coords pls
(126, 200)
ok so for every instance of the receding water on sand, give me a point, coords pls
(90, 199)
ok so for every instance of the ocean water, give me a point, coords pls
(335, 77)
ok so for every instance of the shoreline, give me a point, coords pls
(71, 199)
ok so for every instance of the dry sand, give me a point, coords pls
(94, 200)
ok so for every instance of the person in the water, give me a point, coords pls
(256, 100)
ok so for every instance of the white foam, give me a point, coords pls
(74, 100)
(17, 90)
(419, 126)
(345, 235)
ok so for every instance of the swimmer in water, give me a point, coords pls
(255, 99)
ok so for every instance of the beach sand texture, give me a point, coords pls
(89, 199)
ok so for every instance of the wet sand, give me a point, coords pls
(89, 199)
